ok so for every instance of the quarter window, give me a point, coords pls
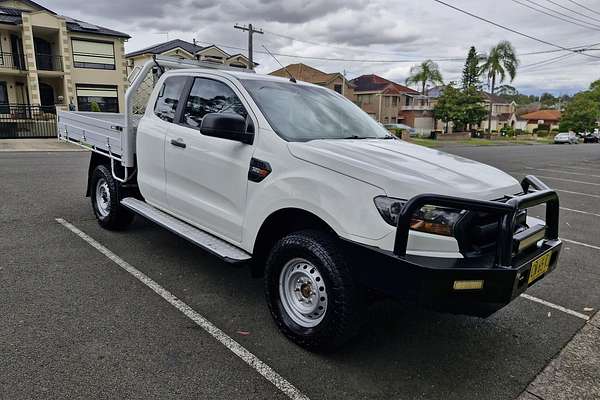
(94, 55)
(209, 96)
(168, 98)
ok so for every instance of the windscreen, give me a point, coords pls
(300, 113)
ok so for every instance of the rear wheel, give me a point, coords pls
(311, 292)
(106, 200)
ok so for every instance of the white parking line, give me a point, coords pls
(591, 246)
(578, 193)
(556, 307)
(563, 172)
(568, 180)
(267, 372)
(580, 212)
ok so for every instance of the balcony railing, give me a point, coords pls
(48, 62)
(12, 61)
(26, 121)
(417, 107)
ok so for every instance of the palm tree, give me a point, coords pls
(426, 72)
(501, 61)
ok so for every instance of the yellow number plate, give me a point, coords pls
(539, 267)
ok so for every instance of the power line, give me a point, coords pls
(562, 14)
(559, 16)
(584, 7)
(514, 30)
(544, 63)
(573, 11)
(343, 48)
(576, 49)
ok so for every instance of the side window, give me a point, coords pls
(168, 98)
(209, 96)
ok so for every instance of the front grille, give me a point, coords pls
(477, 232)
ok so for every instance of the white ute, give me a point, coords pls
(318, 198)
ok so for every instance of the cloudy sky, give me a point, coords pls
(358, 33)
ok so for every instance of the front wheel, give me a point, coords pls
(311, 292)
(106, 200)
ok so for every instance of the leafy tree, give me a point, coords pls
(424, 73)
(446, 107)
(501, 61)
(462, 107)
(582, 112)
(548, 99)
(471, 71)
(471, 110)
(595, 85)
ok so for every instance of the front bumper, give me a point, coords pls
(431, 281)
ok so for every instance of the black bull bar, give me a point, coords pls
(506, 212)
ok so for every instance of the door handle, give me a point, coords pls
(178, 143)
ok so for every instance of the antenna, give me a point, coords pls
(292, 79)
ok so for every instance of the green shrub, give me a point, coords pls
(542, 133)
(543, 127)
(94, 107)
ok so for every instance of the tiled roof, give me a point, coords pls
(546, 115)
(375, 83)
(494, 98)
(306, 73)
(167, 46)
(12, 16)
(75, 25)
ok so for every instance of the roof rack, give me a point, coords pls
(172, 61)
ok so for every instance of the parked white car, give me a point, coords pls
(317, 196)
(566, 138)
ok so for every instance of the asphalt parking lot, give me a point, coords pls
(74, 324)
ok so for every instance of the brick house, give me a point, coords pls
(334, 81)
(542, 117)
(391, 103)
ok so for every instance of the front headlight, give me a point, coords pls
(430, 219)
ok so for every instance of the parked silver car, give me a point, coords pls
(566, 137)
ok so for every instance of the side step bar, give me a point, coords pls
(197, 236)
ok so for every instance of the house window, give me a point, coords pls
(338, 88)
(4, 106)
(106, 97)
(394, 101)
(407, 102)
(94, 55)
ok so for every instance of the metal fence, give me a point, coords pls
(26, 121)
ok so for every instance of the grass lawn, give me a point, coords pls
(479, 142)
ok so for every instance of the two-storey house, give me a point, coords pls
(48, 59)
(334, 81)
(181, 49)
(391, 103)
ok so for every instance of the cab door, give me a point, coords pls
(151, 140)
(207, 177)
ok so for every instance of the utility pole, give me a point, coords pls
(250, 29)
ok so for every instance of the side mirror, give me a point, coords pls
(227, 126)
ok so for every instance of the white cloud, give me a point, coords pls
(354, 29)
